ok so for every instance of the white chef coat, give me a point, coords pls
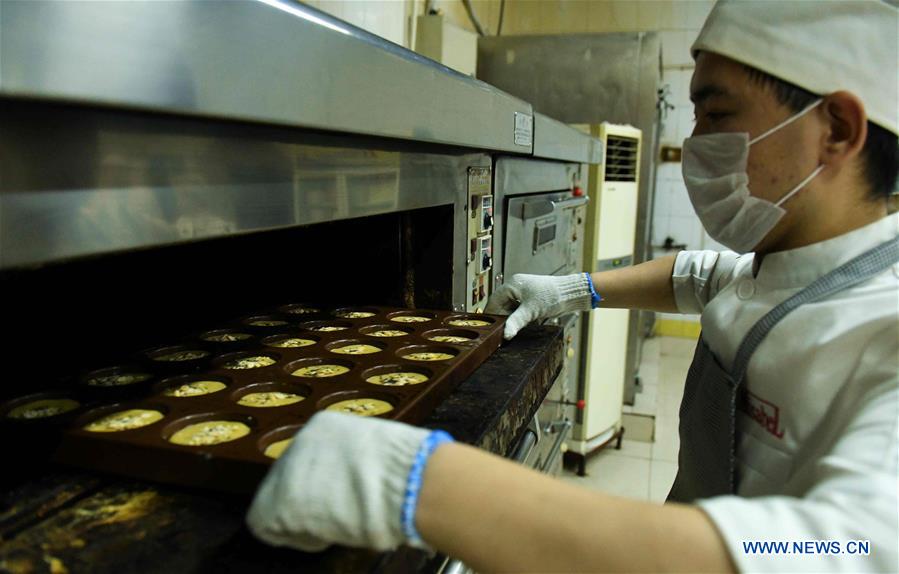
(819, 434)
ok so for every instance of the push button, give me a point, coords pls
(746, 289)
(486, 262)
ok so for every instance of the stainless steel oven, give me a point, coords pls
(144, 193)
(541, 232)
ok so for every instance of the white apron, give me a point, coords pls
(707, 457)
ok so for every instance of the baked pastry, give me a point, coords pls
(194, 389)
(254, 362)
(410, 319)
(210, 432)
(300, 310)
(118, 379)
(449, 339)
(328, 328)
(428, 356)
(178, 356)
(354, 314)
(319, 371)
(468, 323)
(124, 420)
(43, 408)
(399, 379)
(269, 399)
(387, 333)
(291, 343)
(226, 337)
(357, 349)
(365, 407)
(277, 448)
(266, 322)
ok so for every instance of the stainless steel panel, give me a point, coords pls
(574, 78)
(540, 233)
(535, 194)
(555, 140)
(270, 61)
(518, 176)
(521, 176)
(80, 182)
(558, 431)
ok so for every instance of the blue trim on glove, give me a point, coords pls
(594, 296)
(413, 483)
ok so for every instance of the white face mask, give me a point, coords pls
(714, 168)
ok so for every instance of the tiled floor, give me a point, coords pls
(644, 470)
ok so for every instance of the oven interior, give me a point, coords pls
(64, 319)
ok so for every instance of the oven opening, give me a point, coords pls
(65, 318)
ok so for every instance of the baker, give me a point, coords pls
(790, 411)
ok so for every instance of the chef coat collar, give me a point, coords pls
(799, 267)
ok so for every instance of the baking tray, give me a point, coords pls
(238, 465)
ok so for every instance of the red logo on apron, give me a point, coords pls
(763, 412)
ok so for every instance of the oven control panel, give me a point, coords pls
(479, 260)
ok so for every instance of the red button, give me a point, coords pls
(581, 404)
(577, 191)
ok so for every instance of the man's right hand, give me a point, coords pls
(532, 298)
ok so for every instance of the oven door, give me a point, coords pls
(542, 234)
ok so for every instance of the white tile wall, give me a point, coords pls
(668, 172)
(685, 123)
(661, 227)
(670, 47)
(679, 82)
(679, 200)
(709, 243)
(668, 127)
(686, 229)
(673, 216)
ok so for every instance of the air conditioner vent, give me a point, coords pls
(621, 159)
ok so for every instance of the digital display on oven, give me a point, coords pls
(545, 235)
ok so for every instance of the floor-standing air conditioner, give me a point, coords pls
(609, 244)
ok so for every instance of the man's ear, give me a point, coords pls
(846, 129)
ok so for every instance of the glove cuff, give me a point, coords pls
(574, 293)
(414, 483)
(399, 449)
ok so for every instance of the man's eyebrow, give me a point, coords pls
(707, 92)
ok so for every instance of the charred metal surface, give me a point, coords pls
(125, 527)
(34, 501)
(492, 407)
(84, 523)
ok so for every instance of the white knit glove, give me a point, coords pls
(539, 297)
(343, 480)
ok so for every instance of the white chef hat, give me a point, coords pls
(820, 46)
